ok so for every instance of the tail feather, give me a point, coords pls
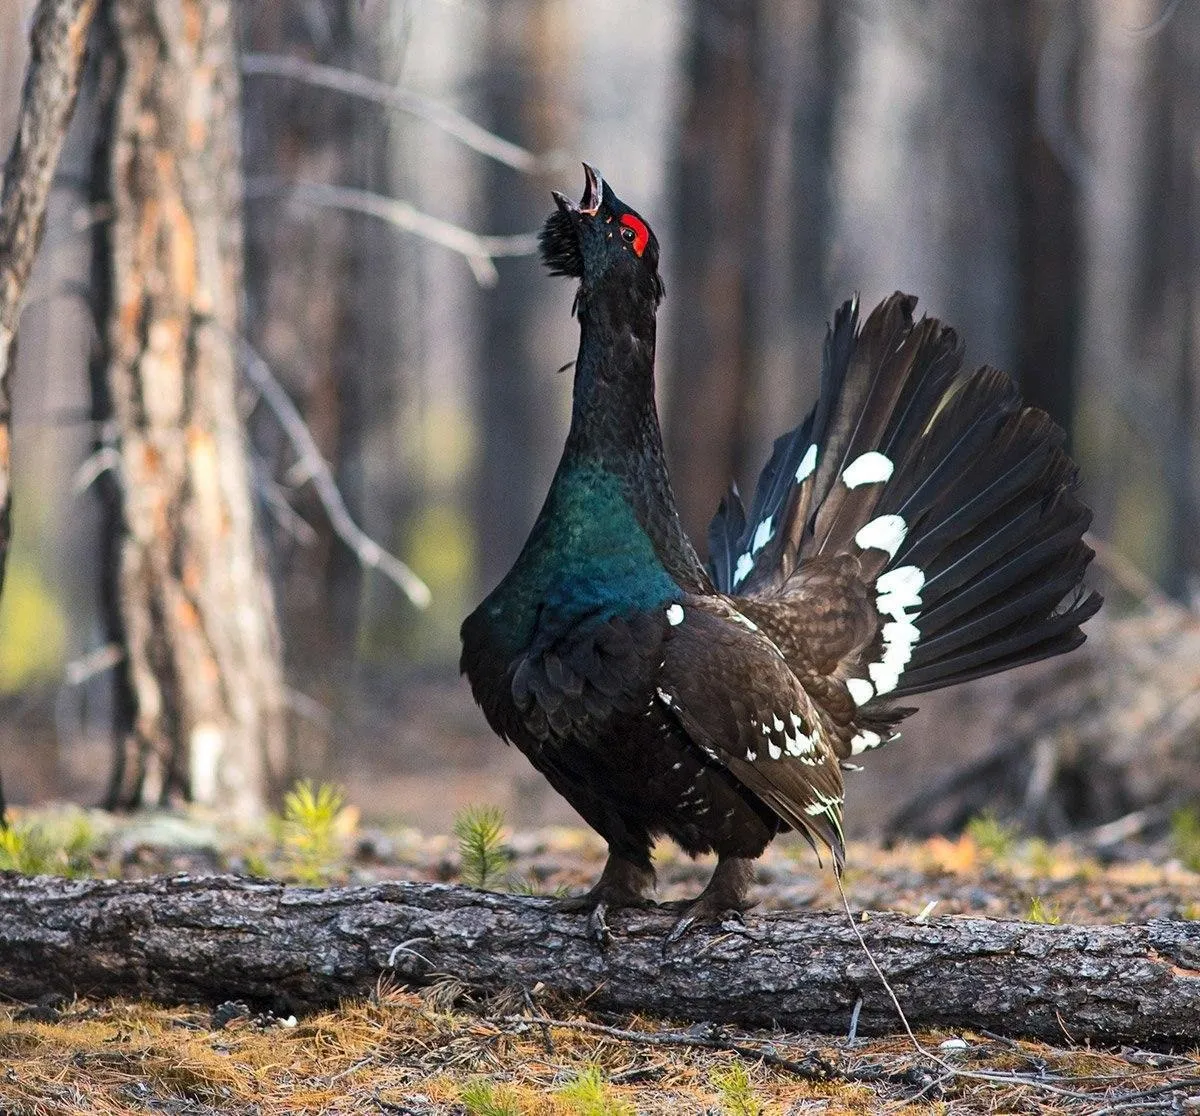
(956, 499)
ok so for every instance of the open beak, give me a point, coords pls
(593, 193)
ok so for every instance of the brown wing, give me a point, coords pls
(734, 695)
(825, 623)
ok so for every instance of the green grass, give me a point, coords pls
(590, 1095)
(995, 838)
(481, 1097)
(313, 818)
(1185, 837)
(481, 847)
(738, 1097)
(1045, 913)
(62, 849)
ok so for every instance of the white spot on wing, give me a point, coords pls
(675, 615)
(664, 697)
(870, 468)
(808, 464)
(798, 745)
(774, 750)
(860, 690)
(883, 533)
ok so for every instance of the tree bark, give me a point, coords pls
(297, 949)
(202, 646)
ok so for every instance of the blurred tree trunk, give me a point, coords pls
(59, 35)
(750, 293)
(1170, 310)
(789, 295)
(718, 210)
(1050, 165)
(198, 616)
(322, 301)
(1125, 428)
(526, 54)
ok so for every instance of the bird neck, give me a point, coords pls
(614, 422)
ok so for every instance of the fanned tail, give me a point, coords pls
(955, 499)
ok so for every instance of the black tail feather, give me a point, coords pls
(944, 477)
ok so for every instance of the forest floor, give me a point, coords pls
(434, 1050)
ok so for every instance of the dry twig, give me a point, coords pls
(463, 129)
(315, 468)
(479, 251)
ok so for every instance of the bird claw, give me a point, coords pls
(729, 918)
(682, 925)
(597, 926)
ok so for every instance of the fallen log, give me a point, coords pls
(294, 949)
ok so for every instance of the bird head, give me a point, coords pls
(601, 241)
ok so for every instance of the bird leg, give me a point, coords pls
(623, 883)
(725, 894)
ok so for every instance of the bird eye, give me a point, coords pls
(634, 231)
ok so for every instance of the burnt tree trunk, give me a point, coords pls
(298, 949)
(198, 615)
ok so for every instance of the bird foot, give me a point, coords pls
(622, 884)
(597, 906)
(705, 910)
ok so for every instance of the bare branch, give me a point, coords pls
(480, 252)
(427, 108)
(94, 662)
(317, 471)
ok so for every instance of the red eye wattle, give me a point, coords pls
(641, 234)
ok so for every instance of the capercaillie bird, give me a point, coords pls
(919, 528)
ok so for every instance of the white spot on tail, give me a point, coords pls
(763, 534)
(675, 615)
(808, 464)
(899, 589)
(864, 741)
(870, 468)
(899, 597)
(744, 565)
(860, 690)
(883, 533)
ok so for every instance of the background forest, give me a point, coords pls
(362, 182)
